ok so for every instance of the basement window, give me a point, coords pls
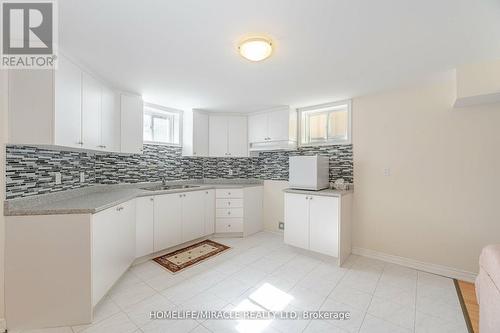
(325, 124)
(162, 125)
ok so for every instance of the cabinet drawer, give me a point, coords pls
(229, 213)
(229, 225)
(229, 203)
(229, 193)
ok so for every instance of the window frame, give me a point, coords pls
(325, 108)
(160, 112)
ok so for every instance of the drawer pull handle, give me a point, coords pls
(228, 213)
(119, 209)
(151, 199)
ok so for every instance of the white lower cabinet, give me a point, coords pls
(167, 221)
(193, 215)
(144, 227)
(113, 246)
(75, 259)
(318, 223)
(239, 210)
(324, 225)
(209, 206)
(297, 220)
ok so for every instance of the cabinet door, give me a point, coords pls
(68, 104)
(217, 136)
(144, 234)
(200, 134)
(297, 220)
(30, 118)
(193, 215)
(323, 225)
(237, 137)
(257, 128)
(113, 246)
(278, 125)
(167, 221)
(110, 121)
(209, 212)
(91, 112)
(131, 124)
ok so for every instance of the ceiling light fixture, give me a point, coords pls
(256, 48)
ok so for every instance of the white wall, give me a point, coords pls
(274, 203)
(3, 140)
(478, 79)
(441, 203)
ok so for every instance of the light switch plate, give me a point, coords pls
(281, 225)
(230, 172)
(58, 178)
(82, 177)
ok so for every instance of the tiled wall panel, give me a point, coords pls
(30, 170)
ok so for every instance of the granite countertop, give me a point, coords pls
(93, 199)
(326, 192)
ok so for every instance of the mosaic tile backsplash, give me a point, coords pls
(30, 170)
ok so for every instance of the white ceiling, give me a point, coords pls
(183, 53)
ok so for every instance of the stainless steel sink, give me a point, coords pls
(168, 187)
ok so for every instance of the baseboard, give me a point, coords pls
(276, 232)
(420, 265)
(3, 325)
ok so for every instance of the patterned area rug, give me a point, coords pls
(188, 256)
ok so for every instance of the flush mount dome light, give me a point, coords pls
(256, 48)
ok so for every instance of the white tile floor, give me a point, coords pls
(261, 272)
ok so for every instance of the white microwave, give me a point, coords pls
(309, 172)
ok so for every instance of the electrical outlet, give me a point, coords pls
(82, 177)
(387, 172)
(230, 172)
(281, 225)
(57, 176)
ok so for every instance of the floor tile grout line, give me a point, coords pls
(331, 291)
(371, 299)
(415, 303)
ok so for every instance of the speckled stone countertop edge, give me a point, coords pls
(94, 199)
(325, 192)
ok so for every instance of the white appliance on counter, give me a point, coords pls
(309, 172)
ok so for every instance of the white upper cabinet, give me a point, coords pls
(195, 133)
(237, 136)
(271, 130)
(132, 117)
(228, 136)
(257, 127)
(110, 120)
(217, 136)
(278, 124)
(91, 112)
(68, 104)
(31, 120)
(68, 107)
